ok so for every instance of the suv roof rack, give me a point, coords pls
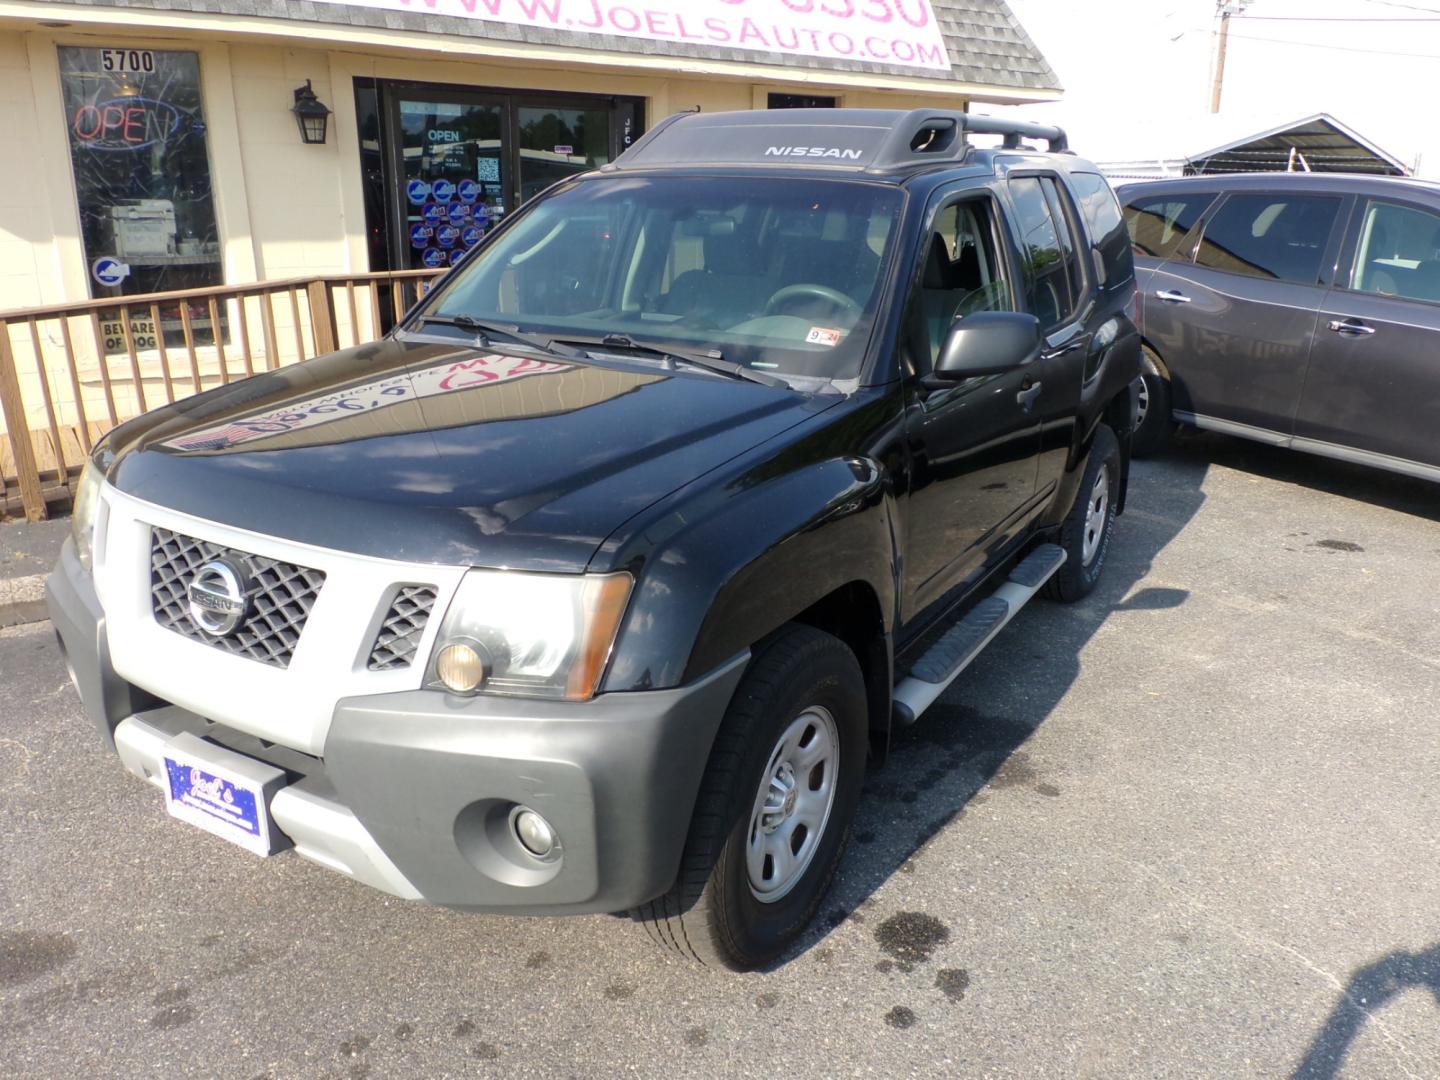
(868, 140)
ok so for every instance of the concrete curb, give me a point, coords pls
(22, 600)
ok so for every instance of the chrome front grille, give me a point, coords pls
(278, 601)
(404, 626)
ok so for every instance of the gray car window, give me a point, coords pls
(1158, 223)
(1399, 253)
(1280, 236)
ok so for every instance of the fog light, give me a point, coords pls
(460, 667)
(535, 833)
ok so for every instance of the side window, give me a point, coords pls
(962, 274)
(1158, 223)
(1279, 236)
(1107, 226)
(1047, 251)
(1399, 253)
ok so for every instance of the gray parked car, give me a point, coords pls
(1300, 310)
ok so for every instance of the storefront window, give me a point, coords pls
(142, 176)
(453, 183)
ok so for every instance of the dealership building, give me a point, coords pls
(156, 145)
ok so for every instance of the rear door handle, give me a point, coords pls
(1027, 397)
(1170, 296)
(1350, 326)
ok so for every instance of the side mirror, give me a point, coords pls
(987, 343)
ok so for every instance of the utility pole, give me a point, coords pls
(1226, 9)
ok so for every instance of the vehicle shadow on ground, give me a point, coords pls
(1392, 491)
(972, 739)
(1369, 990)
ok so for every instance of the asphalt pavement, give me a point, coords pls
(1189, 827)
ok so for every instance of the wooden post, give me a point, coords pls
(1220, 58)
(322, 318)
(19, 430)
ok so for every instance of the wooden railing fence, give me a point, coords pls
(70, 372)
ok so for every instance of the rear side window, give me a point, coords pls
(1102, 215)
(1158, 223)
(1048, 250)
(1399, 253)
(1279, 236)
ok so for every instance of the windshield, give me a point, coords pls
(780, 275)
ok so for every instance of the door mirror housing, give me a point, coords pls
(987, 343)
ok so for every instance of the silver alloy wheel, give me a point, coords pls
(792, 807)
(1142, 404)
(1096, 510)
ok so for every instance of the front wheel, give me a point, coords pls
(1085, 532)
(774, 808)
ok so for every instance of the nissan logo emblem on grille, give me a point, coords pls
(217, 597)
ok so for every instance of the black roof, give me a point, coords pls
(874, 141)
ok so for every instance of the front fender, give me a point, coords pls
(746, 557)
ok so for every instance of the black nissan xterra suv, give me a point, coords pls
(595, 584)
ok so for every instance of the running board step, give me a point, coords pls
(947, 658)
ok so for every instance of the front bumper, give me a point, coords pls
(414, 791)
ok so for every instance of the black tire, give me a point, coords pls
(711, 914)
(1080, 533)
(1156, 425)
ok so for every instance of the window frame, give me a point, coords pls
(1325, 276)
(1184, 250)
(1085, 296)
(1347, 260)
(1006, 264)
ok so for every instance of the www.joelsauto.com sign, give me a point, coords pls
(877, 31)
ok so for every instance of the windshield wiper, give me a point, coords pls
(485, 331)
(713, 362)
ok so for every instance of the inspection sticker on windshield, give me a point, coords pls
(821, 335)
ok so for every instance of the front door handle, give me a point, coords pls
(1171, 296)
(1027, 397)
(1351, 326)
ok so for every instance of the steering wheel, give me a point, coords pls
(811, 291)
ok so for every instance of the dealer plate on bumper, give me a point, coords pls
(222, 792)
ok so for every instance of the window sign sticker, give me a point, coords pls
(469, 191)
(482, 213)
(434, 258)
(488, 169)
(456, 256)
(433, 213)
(821, 335)
(109, 271)
(459, 214)
(565, 150)
(446, 236)
(443, 190)
(418, 192)
(420, 236)
(470, 236)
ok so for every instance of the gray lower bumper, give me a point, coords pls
(415, 791)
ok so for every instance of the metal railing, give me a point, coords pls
(71, 372)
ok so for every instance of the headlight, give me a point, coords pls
(534, 635)
(82, 513)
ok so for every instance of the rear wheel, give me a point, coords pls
(774, 808)
(1153, 422)
(1085, 532)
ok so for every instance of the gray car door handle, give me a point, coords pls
(1027, 397)
(1350, 326)
(1170, 296)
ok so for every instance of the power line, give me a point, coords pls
(1344, 19)
(1406, 7)
(1336, 48)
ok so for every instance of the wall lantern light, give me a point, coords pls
(311, 114)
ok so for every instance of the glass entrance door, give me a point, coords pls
(557, 141)
(451, 175)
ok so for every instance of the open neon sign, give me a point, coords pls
(130, 123)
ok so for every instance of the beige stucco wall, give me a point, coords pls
(284, 209)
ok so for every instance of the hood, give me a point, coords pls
(431, 453)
